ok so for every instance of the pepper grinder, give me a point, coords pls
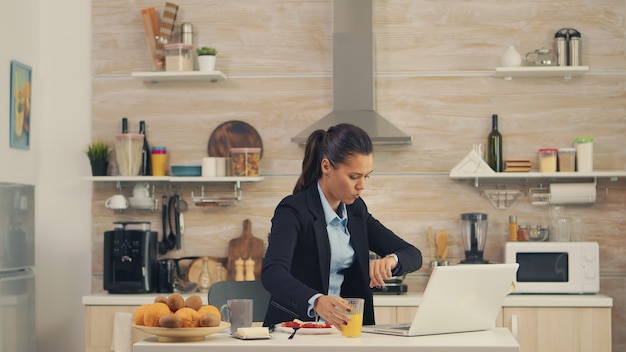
(239, 269)
(249, 266)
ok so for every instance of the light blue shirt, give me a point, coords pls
(341, 251)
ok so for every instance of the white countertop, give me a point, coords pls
(406, 300)
(499, 339)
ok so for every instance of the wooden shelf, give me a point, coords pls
(155, 77)
(614, 175)
(224, 179)
(567, 72)
(202, 199)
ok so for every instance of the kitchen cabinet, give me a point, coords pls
(541, 323)
(99, 327)
(164, 76)
(556, 329)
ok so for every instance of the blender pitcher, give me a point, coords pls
(474, 234)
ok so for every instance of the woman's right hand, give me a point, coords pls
(331, 308)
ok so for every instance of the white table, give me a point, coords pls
(499, 339)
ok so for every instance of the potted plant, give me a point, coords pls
(206, 58)
(98, 154)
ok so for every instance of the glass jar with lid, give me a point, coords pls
(547, 159)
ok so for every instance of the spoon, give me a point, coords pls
(171, 239)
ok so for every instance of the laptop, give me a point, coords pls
(457, 298)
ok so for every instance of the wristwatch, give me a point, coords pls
(394, 256)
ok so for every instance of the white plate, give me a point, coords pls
(250, 337)
(307, 331)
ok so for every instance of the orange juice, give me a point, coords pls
(353, 329)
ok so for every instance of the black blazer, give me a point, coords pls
(297, 261)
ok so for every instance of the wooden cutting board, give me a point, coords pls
(233, 134)
(195, 268)
(244, 247)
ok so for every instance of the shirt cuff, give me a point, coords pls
(311, 311)
(394, 256)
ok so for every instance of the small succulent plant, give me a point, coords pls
(206, 50)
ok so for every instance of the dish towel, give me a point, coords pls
(121, 339)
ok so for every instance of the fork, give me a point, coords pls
(293, 333)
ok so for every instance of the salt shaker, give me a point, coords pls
(239, 275)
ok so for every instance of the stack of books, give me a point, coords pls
(517, 165)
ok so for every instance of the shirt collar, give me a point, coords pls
(329, 213)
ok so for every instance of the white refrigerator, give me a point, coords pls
(17, 268)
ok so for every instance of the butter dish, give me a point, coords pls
(254, 333)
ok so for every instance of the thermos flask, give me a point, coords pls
(186, 33)
(561, 46)
(574, 47)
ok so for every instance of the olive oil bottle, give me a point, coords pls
(494, 146)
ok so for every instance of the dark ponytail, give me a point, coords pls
(336, 144)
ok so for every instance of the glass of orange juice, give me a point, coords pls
(353, 329)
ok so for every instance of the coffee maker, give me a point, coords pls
(474, 235)
(130, 264)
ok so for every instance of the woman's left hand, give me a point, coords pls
(380, 270)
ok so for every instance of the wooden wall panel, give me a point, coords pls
(434, 80)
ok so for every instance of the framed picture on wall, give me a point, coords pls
(19, 126)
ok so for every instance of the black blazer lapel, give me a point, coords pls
(321, 235)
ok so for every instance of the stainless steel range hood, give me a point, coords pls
(353, 76)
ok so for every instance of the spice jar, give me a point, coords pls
(522, 231)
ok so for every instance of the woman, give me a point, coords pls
(321, 235)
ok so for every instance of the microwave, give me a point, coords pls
(555, 267)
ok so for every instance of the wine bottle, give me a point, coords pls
(124, 125)
(494, 149)
(146, 159)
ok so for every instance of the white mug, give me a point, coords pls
(117, 202)
(141, 190)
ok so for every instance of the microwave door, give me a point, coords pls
(543, 267)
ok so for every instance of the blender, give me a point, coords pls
(474, 234)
